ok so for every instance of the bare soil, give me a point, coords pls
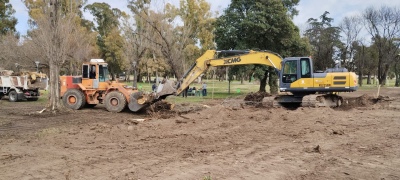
(226, 139)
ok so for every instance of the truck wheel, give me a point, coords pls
(32, 99)
(13, 96)
(74, 99)
(115, 101)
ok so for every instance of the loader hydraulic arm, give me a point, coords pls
(210, 58)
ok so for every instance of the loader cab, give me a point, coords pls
(94, 73)
(296, 72)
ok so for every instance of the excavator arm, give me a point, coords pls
(210, 58)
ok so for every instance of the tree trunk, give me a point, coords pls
(382, 79)
(229, 86)
(273, 81)
(397, 74)
(263, 82)
(360, 78)
(242, 79)
(369, 78)
(54, 96)
(137, 76)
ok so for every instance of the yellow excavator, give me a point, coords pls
(296, 76)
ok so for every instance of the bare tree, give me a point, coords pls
(168, 40)
(136, 42)
(351, 28)
(58, 38)
(18, 54)
(8, 47)
(384, 27)
(166, 34)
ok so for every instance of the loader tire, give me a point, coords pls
(115, 101)
(13, 96)
(74, 99)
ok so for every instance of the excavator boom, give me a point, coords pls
(211, 58)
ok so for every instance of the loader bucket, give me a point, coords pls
(140, 100)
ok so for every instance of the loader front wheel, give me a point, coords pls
(115, 101)
(74, 99)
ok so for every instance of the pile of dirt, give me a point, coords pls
(185, 108)
(161, 109)
(354, 102)
(256, 97)
(364, 101)
(165, 110)
(161, 106)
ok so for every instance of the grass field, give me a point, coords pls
(216, 90)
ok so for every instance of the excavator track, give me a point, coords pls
(322, 100)
(314, 100)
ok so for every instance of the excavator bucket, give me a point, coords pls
(165, 89)
(140, 100)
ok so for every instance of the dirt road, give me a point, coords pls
(221, 140)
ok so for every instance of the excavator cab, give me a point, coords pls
(296, 72)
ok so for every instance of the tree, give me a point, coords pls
(324, 39)
(136, 44)
(351, 28)
(109, 39)
(383, 25)
(57, 37)
(7, 20)
(261, 25)
(8, 54)
(171, 39)
(396, 69)
(40, 9)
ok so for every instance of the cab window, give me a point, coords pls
(305, 68)
(289, 71)
(85, 71)
(103, 73)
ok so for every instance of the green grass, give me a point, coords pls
(215, 90)
(389, 83)
(43, 96)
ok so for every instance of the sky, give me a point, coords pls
(338, 9)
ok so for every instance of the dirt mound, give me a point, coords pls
(161, 110)
(256, 97)
(364, 101)
(165, 110)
